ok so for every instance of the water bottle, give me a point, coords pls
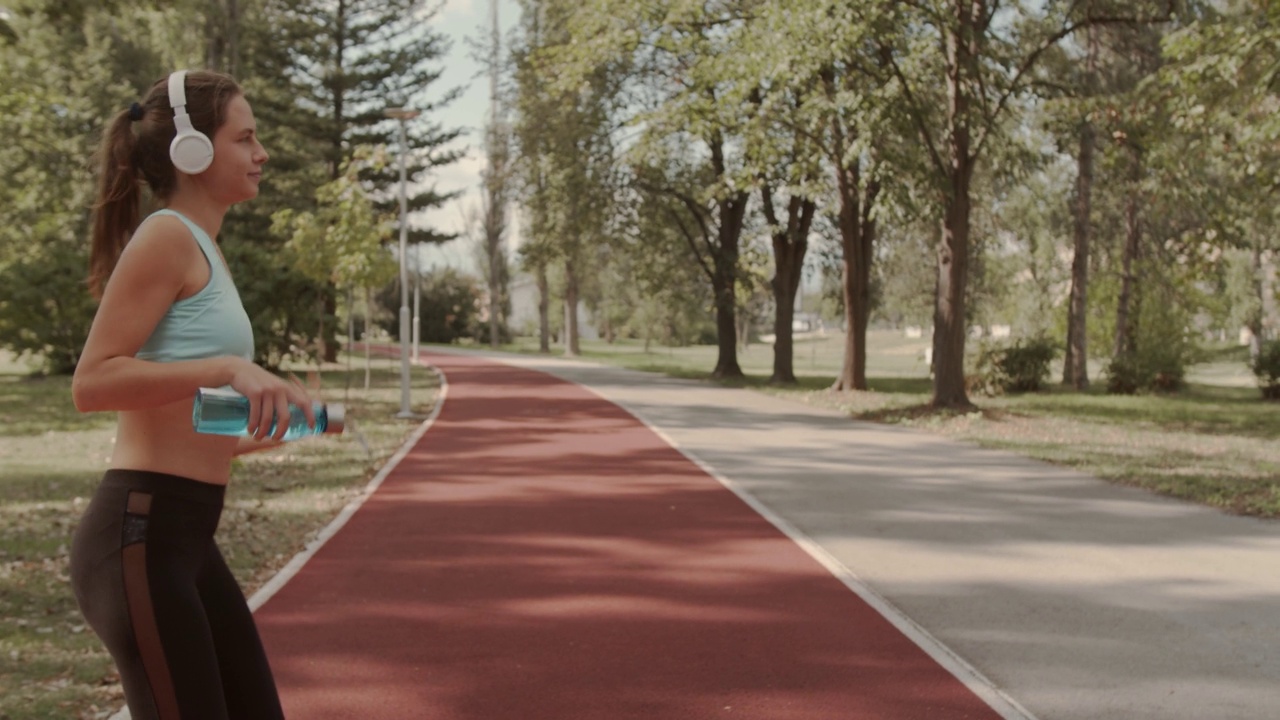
(220, 411)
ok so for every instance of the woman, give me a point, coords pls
(146, 572)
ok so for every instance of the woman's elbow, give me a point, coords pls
(82, 392)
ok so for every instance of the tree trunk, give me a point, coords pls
(857, 243)
(724, 283)
(368, 322)
(953, 249)
(215, 25)
(1127, 307)
(949, 314)
(544, 310)
(784, 296)
(1075, 371)
(495, 186)
(322, 349)
(572, 348)
(1075, 365)
(1267, 295)
(222, 36)
(494, 300)
(351, 339)
(790, 243)
(329, 349)
(233, 38)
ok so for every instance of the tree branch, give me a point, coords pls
(990, 121)
(693, 243)
(917, 112)
(695, 209)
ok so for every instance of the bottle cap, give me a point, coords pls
(337, 421)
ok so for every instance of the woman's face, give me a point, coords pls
(238, 157)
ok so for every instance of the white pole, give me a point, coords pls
(417, 304)
(405, 411)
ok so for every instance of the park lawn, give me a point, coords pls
(51, 458)
(1213, 443)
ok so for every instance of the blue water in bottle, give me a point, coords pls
(218, 411)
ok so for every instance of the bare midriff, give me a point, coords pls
(163, 440)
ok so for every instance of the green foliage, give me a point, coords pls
(350, 61)
(1022, 366)
(450, 308)
(905, 275)
(71, 64)
(1266, 366)
(1126, 375)
(45, 309)
(1156, 369)
(342, 241)
(60, 81)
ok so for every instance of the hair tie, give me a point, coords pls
(135, 112)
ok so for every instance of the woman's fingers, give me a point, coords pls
(266, 416)
(255, 414)
(282, 413)
(269, 399)
(302, 398)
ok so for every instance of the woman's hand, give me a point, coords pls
(269, 398)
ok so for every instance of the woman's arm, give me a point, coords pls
(152, 273)
(159, 265)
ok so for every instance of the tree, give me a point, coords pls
(1219, 92)
(666, 54)
(342, 241)
(63, 78)
(983, 60)
(497, 183)
(567, 157)
(350, 60)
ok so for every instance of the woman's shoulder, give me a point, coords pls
(161, 242)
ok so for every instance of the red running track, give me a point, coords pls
(541, 555)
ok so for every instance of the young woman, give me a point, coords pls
(146, 572)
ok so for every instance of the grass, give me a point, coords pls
(51, 458)
(1213, 443)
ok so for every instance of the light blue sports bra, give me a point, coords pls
(208, 324)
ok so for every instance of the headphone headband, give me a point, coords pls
(178, 90)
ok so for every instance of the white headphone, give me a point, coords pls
(191, 150)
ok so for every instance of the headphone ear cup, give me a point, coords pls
(191, 152)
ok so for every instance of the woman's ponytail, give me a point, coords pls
(119, 200)
(127, 159)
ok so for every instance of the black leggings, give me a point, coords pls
(153, 585)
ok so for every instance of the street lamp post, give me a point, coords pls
(417, 304)
(402, 115)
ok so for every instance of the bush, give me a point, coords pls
(1158, 369)
(1124, 375)
(1020, 367)
(45, 308)
(449, 309)
(1266, 367)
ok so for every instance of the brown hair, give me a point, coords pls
(128, 158)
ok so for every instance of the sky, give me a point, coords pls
(459, 20)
